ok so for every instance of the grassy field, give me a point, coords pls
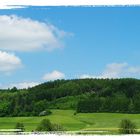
(81, 121)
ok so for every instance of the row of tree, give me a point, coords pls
(121, 104)
(100, 95)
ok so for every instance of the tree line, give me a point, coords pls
(83, 95)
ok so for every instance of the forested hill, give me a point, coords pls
(82, 95)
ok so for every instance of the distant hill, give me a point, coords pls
(81, 95)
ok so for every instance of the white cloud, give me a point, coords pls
(54, 75)
(9, 62)
(134, 70)
(24, 34)
(22, 85)
(84, 76)
(116, 70)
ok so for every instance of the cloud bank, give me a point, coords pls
(9, 62)
(24, 34)
(116, 70)
(19, 34)
(54, 75)
(22, 85)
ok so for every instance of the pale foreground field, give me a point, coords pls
(79, 122)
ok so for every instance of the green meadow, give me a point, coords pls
(71, 122)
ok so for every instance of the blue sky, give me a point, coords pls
(82, 42)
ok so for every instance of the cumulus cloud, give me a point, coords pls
(21, 85)
(24, 34)
(9, 62)
(116, 70)
(54, 75)
(84, 76)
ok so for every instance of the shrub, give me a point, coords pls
(14, 89)
(20, 126)
(75, 113)
(46, 125)
(127, 127)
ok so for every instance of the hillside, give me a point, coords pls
(81, 95)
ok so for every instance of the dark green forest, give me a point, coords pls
(81, 95)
